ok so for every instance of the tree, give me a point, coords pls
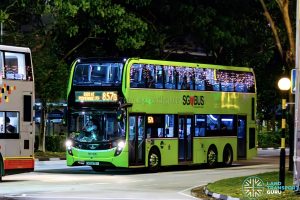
(284, 38)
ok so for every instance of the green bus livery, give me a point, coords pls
(151, 113)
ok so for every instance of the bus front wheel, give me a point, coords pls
(98, 168)
(154, 161)
(227, 156)
(212, 157)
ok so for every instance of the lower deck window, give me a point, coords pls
(9, 125)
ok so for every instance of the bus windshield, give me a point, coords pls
(96, 127)
(106, 74)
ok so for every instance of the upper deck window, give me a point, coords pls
(16, 66)
(189, 78)
(236, 81)
(106, 74)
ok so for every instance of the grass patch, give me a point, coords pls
(49, 154)
(233, 186)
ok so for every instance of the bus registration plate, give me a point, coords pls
(92, 163)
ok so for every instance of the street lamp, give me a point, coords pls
(284, 85)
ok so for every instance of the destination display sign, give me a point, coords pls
(96, 96)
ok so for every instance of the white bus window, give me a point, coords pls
(12, 122)
(15, 67)
(169, 125)
(2, 123)
(1, 65)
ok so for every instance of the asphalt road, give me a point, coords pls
(53, 180)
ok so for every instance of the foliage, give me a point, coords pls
(233, 186)
(54, 143)
(227, 32)
(268, 139)
(109, 25)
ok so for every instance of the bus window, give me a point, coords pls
(155, 124)
(12, 122)
(115, 75)
(212, 123)
(182, 77)
(149, 76)
(190, 78)
(2, 123)
(227, 125)
(249, 80)
(169, 73)
(199, 79)
(159, 77)
(15, 67)
(169, 125)
(81, 74)
(200, 125)
(99, 73)
(209, 79)
(1, 64)
(142, 76)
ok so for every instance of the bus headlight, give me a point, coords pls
(120, 146)
(69, 145)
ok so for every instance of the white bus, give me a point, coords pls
(16, 110)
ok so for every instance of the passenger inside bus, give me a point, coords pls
(9, 128)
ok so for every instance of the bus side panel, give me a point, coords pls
(251, 141)
(168, 150)
(199, 151)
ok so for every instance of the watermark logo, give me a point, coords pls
(253, 187)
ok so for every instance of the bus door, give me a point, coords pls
(136, 140)
(242, 136)
(185, 140)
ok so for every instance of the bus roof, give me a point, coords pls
(15, 48)
(187, 64)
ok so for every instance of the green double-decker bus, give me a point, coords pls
(152, 113)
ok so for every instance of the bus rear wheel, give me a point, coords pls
(98, 168)
(154, 161)
(212, 157)
(227, 156)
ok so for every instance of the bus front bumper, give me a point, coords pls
(105, 158)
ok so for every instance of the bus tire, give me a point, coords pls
(227, 156)
(98, 168)
(154, 160)
(212, 156)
